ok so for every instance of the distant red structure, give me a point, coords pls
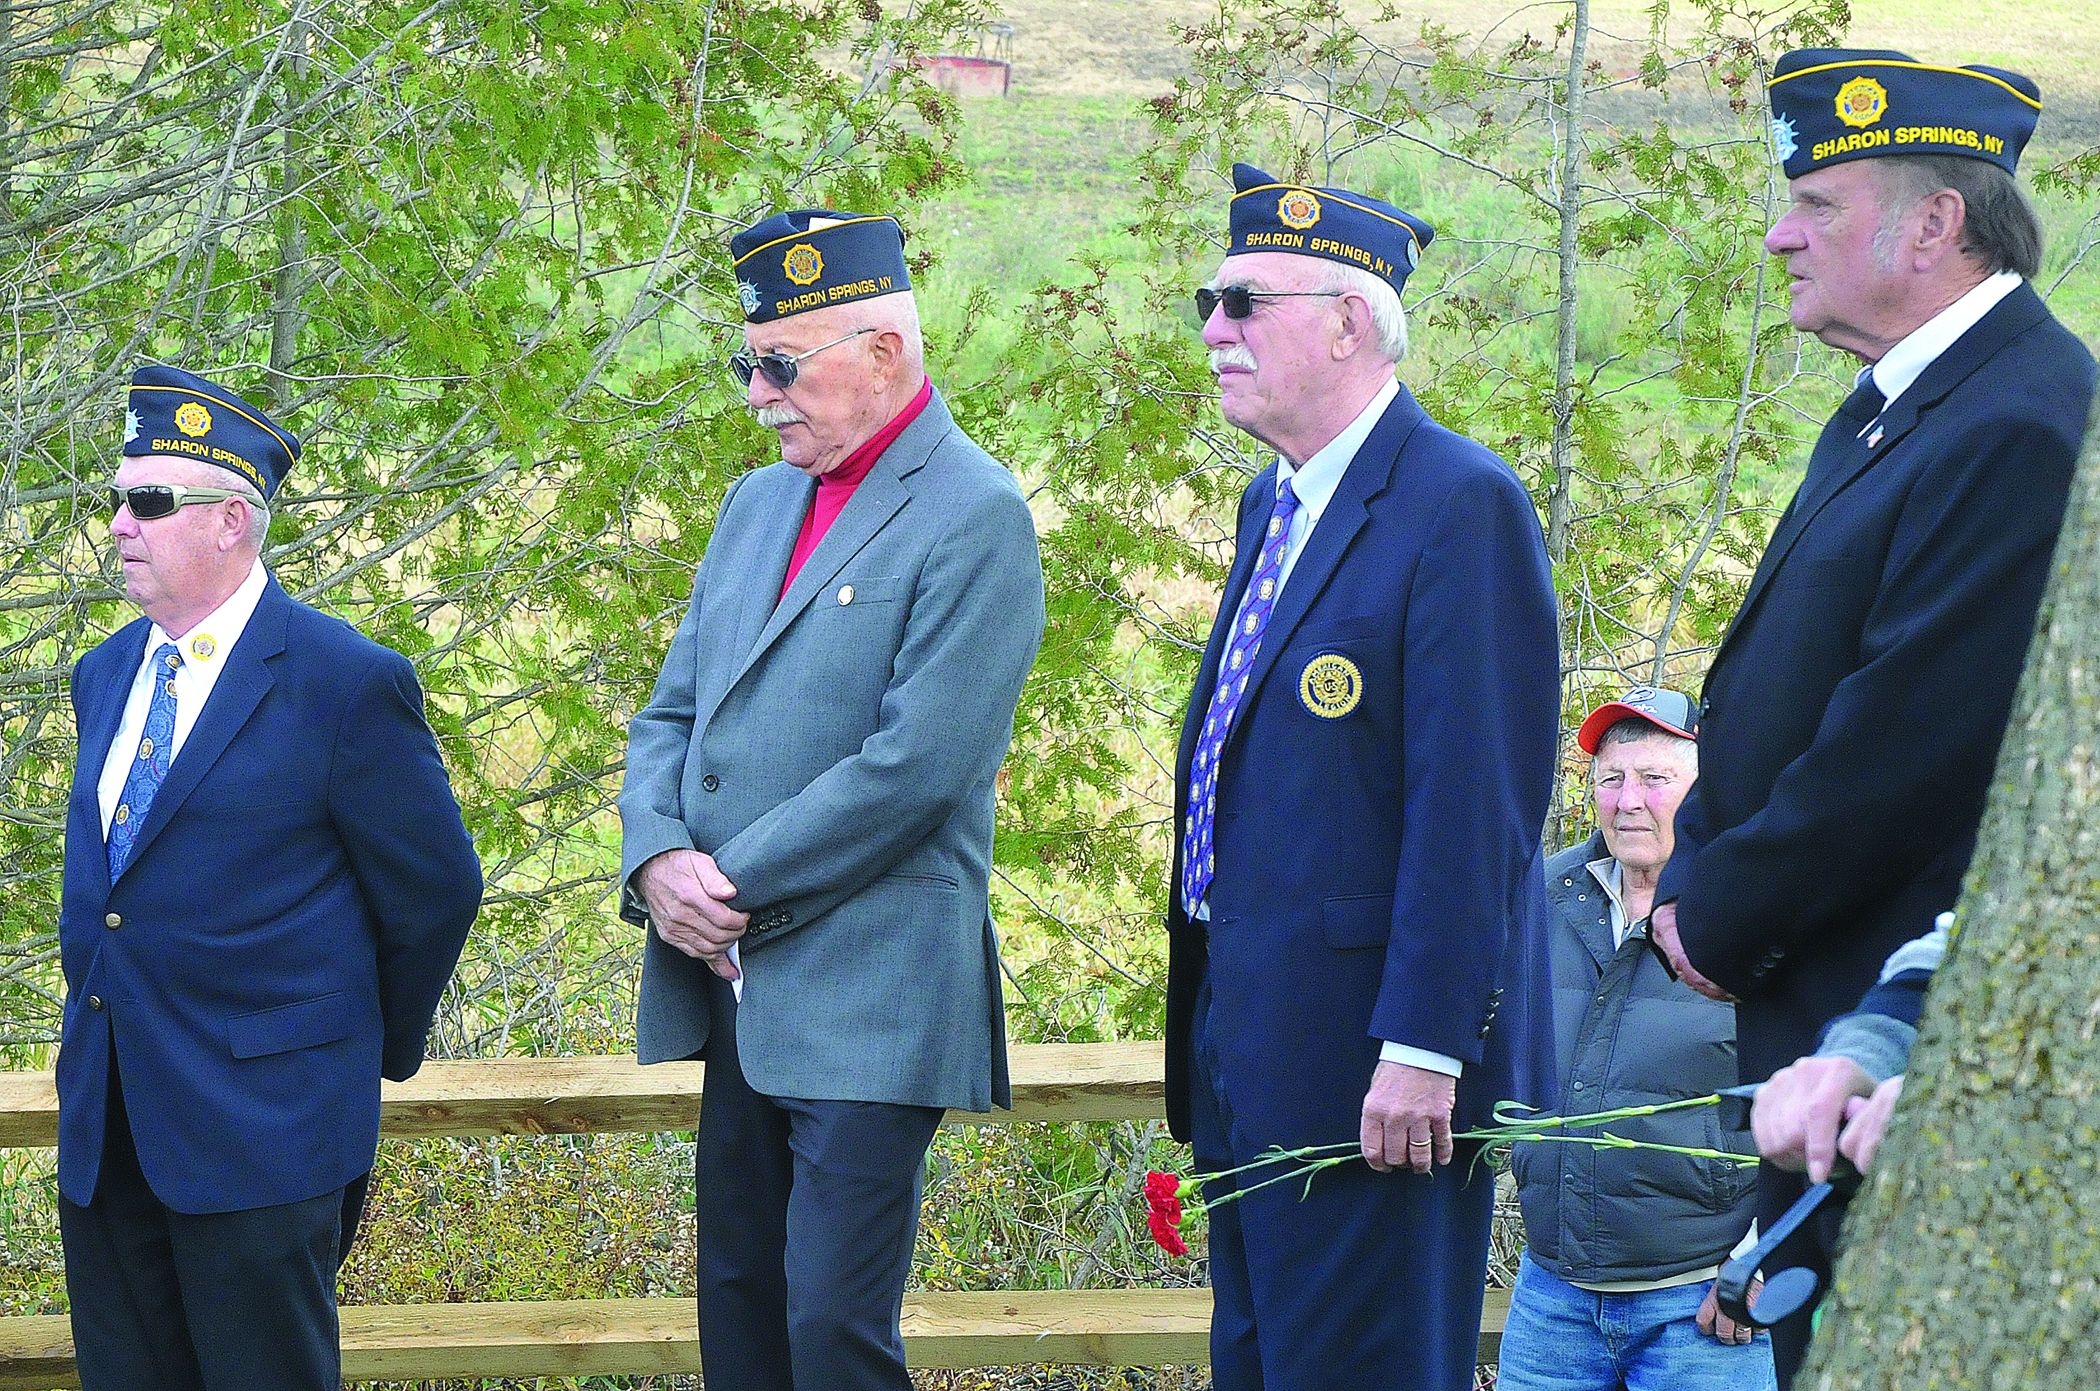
(988, 72)
(963, 76)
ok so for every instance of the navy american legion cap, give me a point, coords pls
(1671, 711)
(170, 411)
(1830, 105)
(810, 259)
(1268, 215)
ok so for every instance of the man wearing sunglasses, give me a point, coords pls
(807, 812)
(267, 884)
(1356, 917)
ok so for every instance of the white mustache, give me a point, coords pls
(1232, 355)
(773, 417)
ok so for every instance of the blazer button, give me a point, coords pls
(113, 920)
(711, 782)
(95, 1002)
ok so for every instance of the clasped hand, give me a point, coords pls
(688, 898)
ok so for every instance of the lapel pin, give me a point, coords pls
(1874, 438)
(845, 594)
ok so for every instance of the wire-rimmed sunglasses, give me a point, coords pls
(149, 501)
(780, 369)
(1239, 299)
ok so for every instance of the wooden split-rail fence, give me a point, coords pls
(636, 1337)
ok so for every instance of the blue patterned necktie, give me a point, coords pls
(149, 764)
(1225, 698)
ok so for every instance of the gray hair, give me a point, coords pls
(898, 313)
(1636, 730)
(258, 510)
(2000, 227)
(1388, 319)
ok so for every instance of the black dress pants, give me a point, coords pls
(227, 1301)
(807, 1214)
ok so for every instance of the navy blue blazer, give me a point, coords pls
(1379, 873)
(290, 915)
(1852, 716)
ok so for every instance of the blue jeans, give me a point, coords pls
(1560, 1338)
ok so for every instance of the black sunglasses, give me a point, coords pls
(152, 500)
(1239, 299)
(779, 368)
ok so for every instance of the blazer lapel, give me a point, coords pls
(1246, 550)
(108, 693)
(878, 498)
(1365, 478)
(762, 597)
(2015, 314)
(234, 696)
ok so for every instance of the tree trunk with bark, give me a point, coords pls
(1972, 1256)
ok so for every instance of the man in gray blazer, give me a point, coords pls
(807, 812)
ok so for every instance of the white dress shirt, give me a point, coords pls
(204, 651)
(1314, 482)
(1901, 366)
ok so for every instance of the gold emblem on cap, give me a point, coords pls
(1331, 685)
(1861, 102)
(192, 419)
(201, 647)
(845, 594)
(1298, 209)
(803, 263)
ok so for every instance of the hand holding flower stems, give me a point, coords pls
(1166, 1194)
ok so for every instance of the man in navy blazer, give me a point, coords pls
(1356, 919)
(267, 885)
(1853, 713)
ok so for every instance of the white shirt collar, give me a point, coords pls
(1315, 480)
(214, 636)
(1611, 877)
(1901, 366)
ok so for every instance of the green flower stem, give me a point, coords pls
(1509, 1130)
(1307, 1172)
(1343, 1150)
(1507, 1124)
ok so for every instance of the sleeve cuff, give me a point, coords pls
(1420, 1057)
(1879, 1044)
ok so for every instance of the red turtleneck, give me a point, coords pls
(835, 488)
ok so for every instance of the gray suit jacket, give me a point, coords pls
(836, 755)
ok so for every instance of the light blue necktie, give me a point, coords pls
(1225, 698)
(149, 764)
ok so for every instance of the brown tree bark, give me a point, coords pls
(1972, 1256)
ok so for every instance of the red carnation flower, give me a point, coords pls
(1163, 1212)
(1165, 1233)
